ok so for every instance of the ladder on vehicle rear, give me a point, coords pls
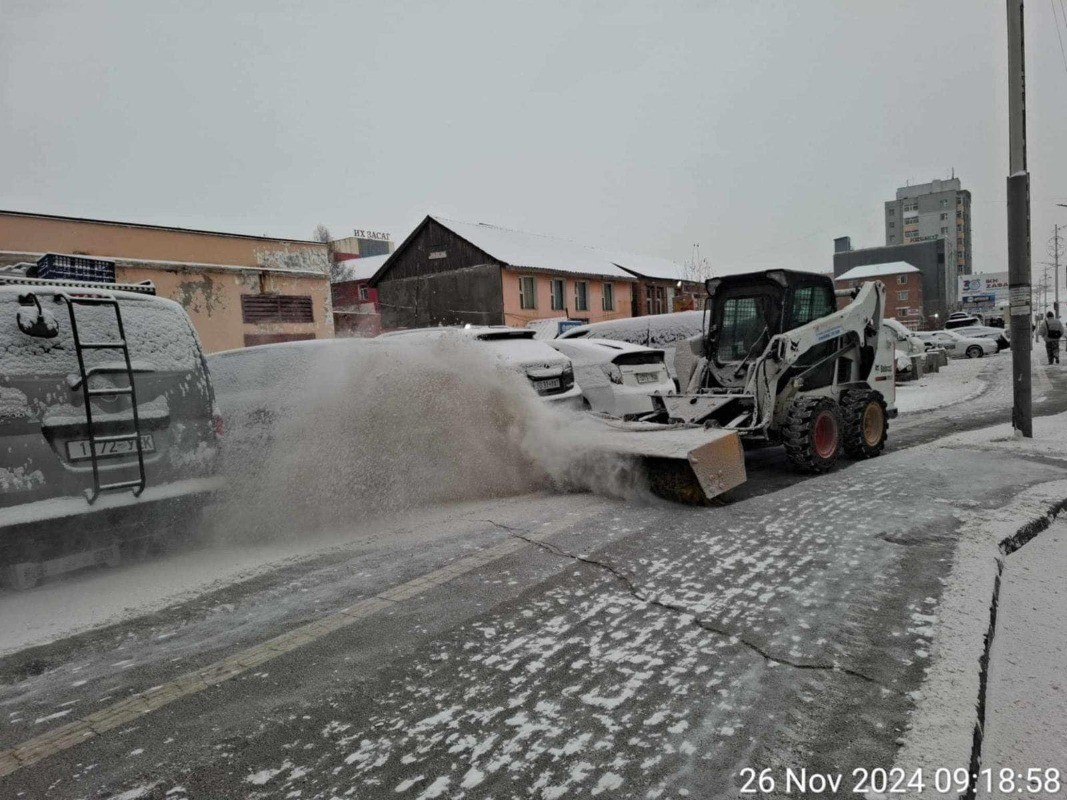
(130, 390)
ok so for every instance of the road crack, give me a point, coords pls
(675, 608)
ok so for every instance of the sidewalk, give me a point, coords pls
(1026, 701)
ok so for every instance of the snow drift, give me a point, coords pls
(343, 430)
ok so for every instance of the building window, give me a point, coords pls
(892, 212)
(892, 224)
(276, 308)
(944, 204)
(944, 231)
(607, 300)
(527, 292)
(902, 280)
(902, 296)
(944, 216)
(364, 293)
(556, 286)
(581, 296)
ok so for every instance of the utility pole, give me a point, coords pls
(1056, 268)
(1018, 226)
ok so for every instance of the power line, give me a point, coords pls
(1059, 35)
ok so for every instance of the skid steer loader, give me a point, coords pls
(778, 363)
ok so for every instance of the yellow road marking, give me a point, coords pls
(66, 736)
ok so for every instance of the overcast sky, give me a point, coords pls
(761, 130)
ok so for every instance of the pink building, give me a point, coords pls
(355, 301)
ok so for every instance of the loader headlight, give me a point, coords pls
(613, 372)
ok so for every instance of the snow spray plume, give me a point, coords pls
(377, 426)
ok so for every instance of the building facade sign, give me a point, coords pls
(983, 292)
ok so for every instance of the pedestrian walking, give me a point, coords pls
(1051, 330)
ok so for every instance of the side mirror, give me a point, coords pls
(34, 320)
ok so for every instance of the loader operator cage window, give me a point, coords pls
(809, 303)
(744, 320)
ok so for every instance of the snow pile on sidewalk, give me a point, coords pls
(396, 424)
(956, 383)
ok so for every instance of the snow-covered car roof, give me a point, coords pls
(482, 332)
(516, 346)
(599, 351)
(654, 330)
(982, 329)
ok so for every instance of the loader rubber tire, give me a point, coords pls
(812, 434)
(866, 423)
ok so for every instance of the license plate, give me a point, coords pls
(544, 386)
(78, 450)
(647, 377)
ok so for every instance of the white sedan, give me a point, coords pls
(958, 346)
(616, 378)
(549, 373)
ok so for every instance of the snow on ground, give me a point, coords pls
(956, 383)
(1026, 720)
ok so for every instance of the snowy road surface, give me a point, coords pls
(568, 646)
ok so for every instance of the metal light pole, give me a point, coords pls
(1018, 226)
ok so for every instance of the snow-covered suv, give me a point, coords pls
(78, 482)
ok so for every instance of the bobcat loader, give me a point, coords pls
(776, 363)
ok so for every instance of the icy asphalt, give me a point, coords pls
(624, 651)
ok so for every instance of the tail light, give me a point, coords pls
(613, 372)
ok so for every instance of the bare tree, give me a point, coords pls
(697, 269)
(322, 234)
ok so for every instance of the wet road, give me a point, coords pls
(542, 646)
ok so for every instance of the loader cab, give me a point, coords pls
(746, 311)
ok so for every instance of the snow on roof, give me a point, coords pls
(536, 251)
(876, 270)
(651, 267)
(358, 269)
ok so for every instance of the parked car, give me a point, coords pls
(72, 491)
(907, 342)
(255, 387)
(1001, 336)
(663, 331)
(550, 373)
(957, 345)
(617, 378)
(960, 320)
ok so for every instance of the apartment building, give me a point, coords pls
(940, 209)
